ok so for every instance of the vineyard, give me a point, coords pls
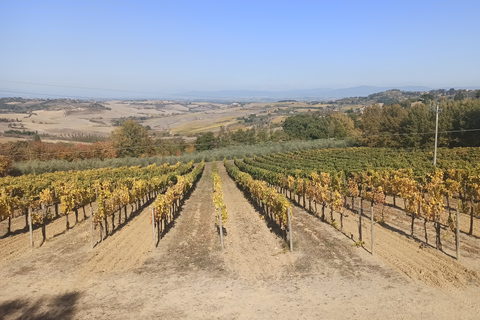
(43, 198)
(334, 224)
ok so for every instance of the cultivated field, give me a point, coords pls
(67, 118)
(187, 275)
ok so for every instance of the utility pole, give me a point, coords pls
(436, 136)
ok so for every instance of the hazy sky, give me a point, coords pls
(172, 46)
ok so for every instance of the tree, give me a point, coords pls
(279, 135)
(224, 137)
(206, 141)
(355, 116)
(190, 148)
(459, 96)
(305, 126)
(370, 125)
(103, 150)
(406, 103)
(468, 120)
(418, 126)
(36, 138)
(392, 117)
(6, 165)
(262, 135)
(247, 136)
(341, 126)
(131, 139)
(427, 98)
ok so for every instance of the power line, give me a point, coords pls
(77, 87)
(66, 96)
(418, 133)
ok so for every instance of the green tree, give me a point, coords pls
(355, 116)
(206, 141)
(418, 127)
(262, 135)
(246, 136)
(459, 96)
(306, 127)
(224, 137)
(466, 119)
(427, 98)
(406, 103)
(370, 124)
(168, 147)
(279, 135)
(390, 123)
(340, 125)
(131, 139)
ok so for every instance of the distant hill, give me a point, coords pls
(22, 105)
(322, 94)
(399, 96)
(355, 95)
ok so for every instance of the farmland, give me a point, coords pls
(61, 119)
(184, 273)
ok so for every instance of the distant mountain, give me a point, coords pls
(318, 94)
(310, 94)
(363, 91)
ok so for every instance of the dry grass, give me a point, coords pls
(159, 115)
(279, 119)
(199, 126)
(348, 107)
(237, 126)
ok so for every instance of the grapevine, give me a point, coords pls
(218, 194)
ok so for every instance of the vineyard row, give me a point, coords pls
(422, 200)
(112, 191)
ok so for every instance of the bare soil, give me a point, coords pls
(188, 276)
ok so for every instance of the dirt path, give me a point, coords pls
(252, 251)
(192, 244)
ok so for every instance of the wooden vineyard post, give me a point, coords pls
(44, 230)
(371, 218)
(30, 225)
(290, 230)
(360, 220)
(153, 226)
(91, 225)
(220, 223)
(457, 236)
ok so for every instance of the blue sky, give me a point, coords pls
(174, 46)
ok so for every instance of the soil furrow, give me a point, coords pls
(192, 243)
(252, 251)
